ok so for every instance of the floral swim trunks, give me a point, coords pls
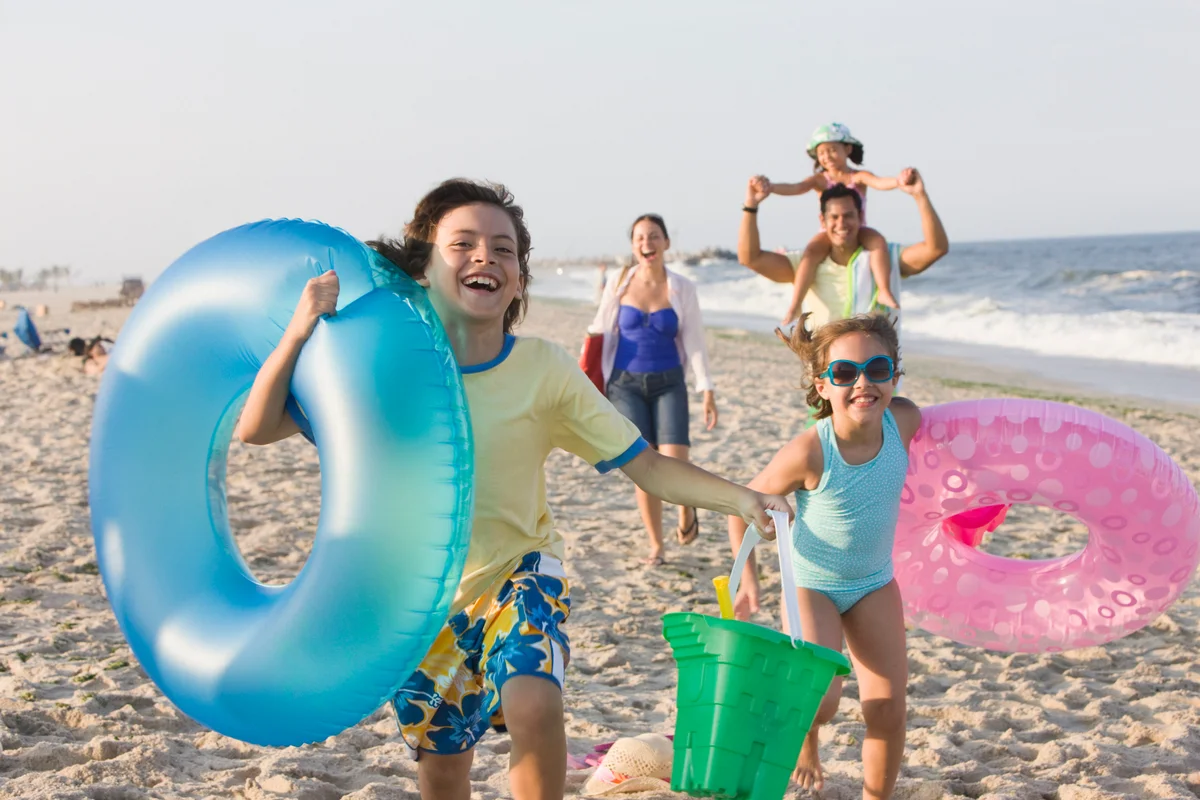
(454, 696)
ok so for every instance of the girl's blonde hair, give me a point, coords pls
(813, 349)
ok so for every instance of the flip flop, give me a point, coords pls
(656, 561)
(688, 536)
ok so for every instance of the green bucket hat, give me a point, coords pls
(833, 132)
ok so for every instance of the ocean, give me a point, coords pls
(1119, 314)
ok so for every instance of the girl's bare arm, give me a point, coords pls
(801, 187)
(873, 181)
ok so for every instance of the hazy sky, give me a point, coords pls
(130, 131)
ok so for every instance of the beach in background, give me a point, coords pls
(1104, 314)
(79, 719)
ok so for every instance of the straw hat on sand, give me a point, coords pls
(638, 764)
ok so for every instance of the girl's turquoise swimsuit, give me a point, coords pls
(845, 528)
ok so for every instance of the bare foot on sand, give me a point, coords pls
(808, 768)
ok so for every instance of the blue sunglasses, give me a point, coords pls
(879, 369)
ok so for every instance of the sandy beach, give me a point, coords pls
(79, 718)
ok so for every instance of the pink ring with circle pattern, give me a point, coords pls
(1143, 545)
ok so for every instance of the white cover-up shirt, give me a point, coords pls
(681, 293)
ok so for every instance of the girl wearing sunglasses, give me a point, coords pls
(847, 473)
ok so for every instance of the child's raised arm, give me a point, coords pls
(873, 181)
(792, 189)
(264, 418)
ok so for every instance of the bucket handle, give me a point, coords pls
(783, 546)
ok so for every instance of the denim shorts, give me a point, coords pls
(656, 402)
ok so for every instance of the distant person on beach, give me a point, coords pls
(96, 357)
(93, 353)
(601, 278)
(500, 657)
(847, 474)
(831, 292)
(831, 148)
(650, 318)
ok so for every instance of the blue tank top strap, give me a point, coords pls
(829, 451)
(890, 426)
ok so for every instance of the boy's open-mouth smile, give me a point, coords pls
(482, 282)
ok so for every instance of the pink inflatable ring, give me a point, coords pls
(1142, 515)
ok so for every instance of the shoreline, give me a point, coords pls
(972, 374)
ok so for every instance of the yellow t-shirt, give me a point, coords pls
(829, 293)
(530, 399)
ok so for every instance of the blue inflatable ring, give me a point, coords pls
(281, 665)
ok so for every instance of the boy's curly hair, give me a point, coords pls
(412, 253)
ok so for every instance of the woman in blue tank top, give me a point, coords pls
(847, 473)
(650, 318)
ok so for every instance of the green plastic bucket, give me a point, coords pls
(746, 700)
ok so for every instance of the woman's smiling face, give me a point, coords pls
(649, 243)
